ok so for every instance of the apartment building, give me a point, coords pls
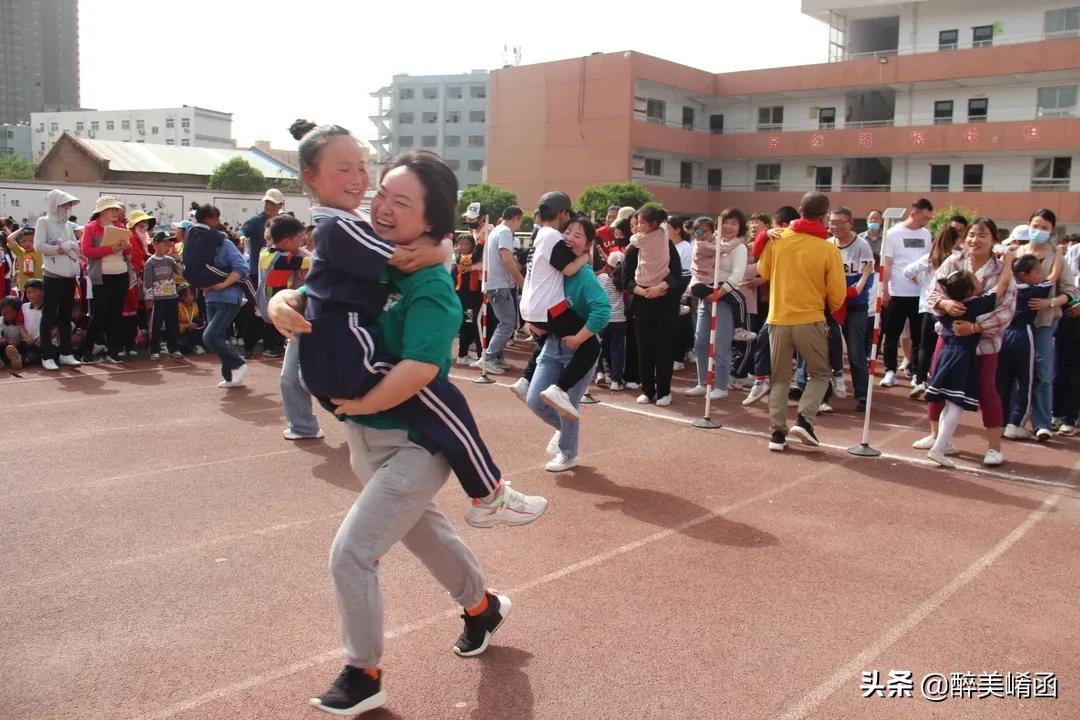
(446, 114)
(15, 140)
(969, 102)
(186, 126)
(39, 57)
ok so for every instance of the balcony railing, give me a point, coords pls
(1018, 39)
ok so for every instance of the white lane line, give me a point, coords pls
(862, 661)
(961, 467)
(589, 562)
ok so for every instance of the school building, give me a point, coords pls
(967, 102)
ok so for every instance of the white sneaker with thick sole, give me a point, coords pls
(993, 458)
(824, 408)
(616, 386)
(467, 361)
(918, 391)
(940, 459)
(561, 463)
(643, 399)
(238, 376)
(553, 443)
(290, 435)
(509, 507)
(520, 388)
(155, 356)
(664, 401)
(633, 385)
(1067, 430)
(1043, 435)
(555, 397)
(69, 361)
(717, 394)
(889, 380)
(839, 386)
(49, 364)
(1016, 432)
(758, 391)
(490, 368)
(200, 350)
(677, 366)
(696, 391)
(924, 443)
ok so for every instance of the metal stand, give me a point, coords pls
(483, 379)
(707, 423)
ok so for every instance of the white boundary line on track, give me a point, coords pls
(969, 469)
(891, 636)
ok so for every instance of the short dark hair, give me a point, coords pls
(72, 218)
(1046, 214)
(959, 219)
(842, 211)
(737, 214)
(284, 227)
(206, 212)
(440, 188)
(11, 302)
(761, 217)
(678, 224)
(814, 205)
(652, 214)
(706, 221)
(785, 215)
(586, 226)
(1024, 264)
(35, 283)
(958, 285)
(922, 204)
(512, 213)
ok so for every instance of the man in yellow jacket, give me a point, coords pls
(806, 281)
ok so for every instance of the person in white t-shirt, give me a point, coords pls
(502, 277)
(903, 245)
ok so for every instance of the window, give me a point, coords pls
(54, 127)
(939, 178)
(1057, 101)
(110, 124)
(429, 141)
(453, 117)
(686, 174)
(476, 165)
(170, 141)
(688, 118)
(80, 126)
(943, 112)
(125, 124)
(973, 178)
(95, 125)
(770, 118)
(170, 123)
(982, 36)
(42, 148)
(948, 39)
(477, 116)
(716, 124)
(1064, 22)
(140, 125)
(154, 130)
(405, 141)
(405, 118)
(453, 141)
(823, 179)
(406, 93)
(454, 92)
(1051, 173)
(476, 141)
(655, 111)
(716, 178)
(654, 167)
(185, 123)
(430, 93)
(977, 109)
(826, 118)
(478, 92)
(767, 177)
(185, 142)
(454, 165)
(429, 118)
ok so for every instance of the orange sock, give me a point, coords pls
(479, 608)
(372, 673)
(490, 498)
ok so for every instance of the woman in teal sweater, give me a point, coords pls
(588, 300)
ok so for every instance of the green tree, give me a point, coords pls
(494, 199)
(237, 175)
(598, 198)
(941, 218)
(13, 167)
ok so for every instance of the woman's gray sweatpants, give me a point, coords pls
(400, 481)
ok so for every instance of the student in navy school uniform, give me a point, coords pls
(956, 377)
(202, 240)
(350, 283)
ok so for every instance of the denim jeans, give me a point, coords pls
(855, 329)
(554, 356)
(1044, 376)
(725, 331)
(501, 304)
(294, 396)
(219, 317)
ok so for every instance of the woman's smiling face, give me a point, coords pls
(397, 212)
(575, 237)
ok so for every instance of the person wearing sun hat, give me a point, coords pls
(109, 269)
(140, 223)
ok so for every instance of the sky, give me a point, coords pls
(270, 62)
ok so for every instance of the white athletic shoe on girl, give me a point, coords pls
(509, 507)
(555, 397)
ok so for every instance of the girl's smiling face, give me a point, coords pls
(397, 212)
(341, 178)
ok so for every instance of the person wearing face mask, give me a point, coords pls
(1048, 311)
(872, 235)
(55, 240)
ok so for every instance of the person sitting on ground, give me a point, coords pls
(16, 349)
(191, 324)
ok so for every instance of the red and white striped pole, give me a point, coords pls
(707, 422)
(482, 320)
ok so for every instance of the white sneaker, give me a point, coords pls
(696, 391)
(940, 459)
(133, 353)
(49, 364)
(520, 389)
(490, 368)
(509, 507)
(918, 391)
(744, 335)
(290, 435)
(1067, 430)
(633, 385)
(616, 386)
(839, 386)
(1016, 432)
(476, 363)
(684, 310)
(556, 398)
(824, 408)
(177, 355)
(993, 458)
(757, 391)
(642, 399)
(914, 382)
(466, 360)
(1043, 435)
(99, 349)
(238, 376)
(501, 363)
(889, 380)
(69, 361)
(562, 462)
(740, 384)
(678, 366)
(553, 443)
(200, 350)
(924, 443)
(155, 356)
(664, 401)
(717, 394)
(600, 378)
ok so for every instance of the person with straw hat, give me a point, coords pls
(109, 270)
